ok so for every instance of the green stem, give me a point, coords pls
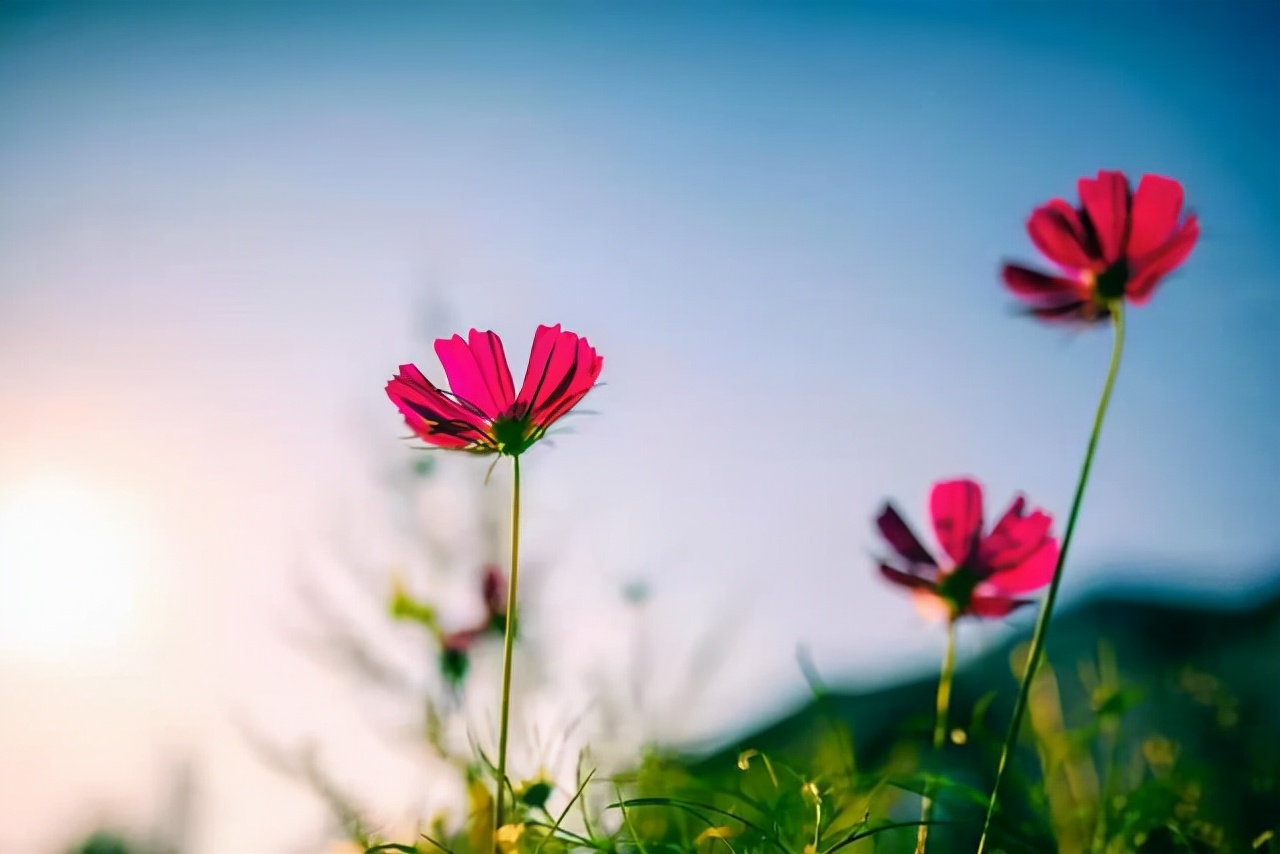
(507, 646)
(939, 729)
(1042, 624)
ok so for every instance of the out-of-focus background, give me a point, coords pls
(223, 225)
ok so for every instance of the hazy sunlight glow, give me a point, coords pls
(70, 568)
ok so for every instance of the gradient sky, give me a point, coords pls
(781, 226)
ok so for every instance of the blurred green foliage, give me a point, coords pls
(1153, 729)
(110, 842)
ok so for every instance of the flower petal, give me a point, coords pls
(905, 579)
(1053, 299)
(1162, 261)
(477, 371)
(1014, 538)
(956, 507)
(1056, 230)
(1032, 573)
(461, 641)
(1070, 313)
(1106, 201)
(1156, 206)
(435, 418)
(994, 607)
(562, 369)
(900, 536)
(1034, 285)
(550, 359)
(585, 373)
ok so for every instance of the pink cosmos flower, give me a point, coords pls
(455, 647)
(482, 412)
(981, 574)
(1116, 246)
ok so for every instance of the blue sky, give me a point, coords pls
(780, 224)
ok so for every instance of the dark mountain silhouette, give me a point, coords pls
(1185, 684)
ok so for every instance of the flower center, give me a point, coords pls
(511, 435)
(1108, 286)
(957, 587)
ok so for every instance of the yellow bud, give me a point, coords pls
(508, 837)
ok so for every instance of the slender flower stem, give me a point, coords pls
(1042, 624)
(939, 729)
(507, 645)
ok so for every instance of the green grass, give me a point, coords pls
(1104, 785)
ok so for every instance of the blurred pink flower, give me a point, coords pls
(482, 412)
(493, 588)
(455, 647)
(1116, 246)
(981, 574)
